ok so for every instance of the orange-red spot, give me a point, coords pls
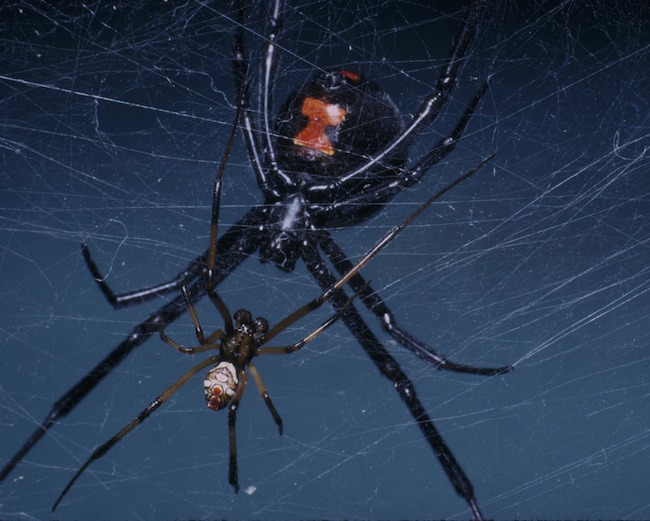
(352, 76)
(321, 115)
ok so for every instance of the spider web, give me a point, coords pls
(114, 117)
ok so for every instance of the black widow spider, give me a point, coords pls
(337, 154)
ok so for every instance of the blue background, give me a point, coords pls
(113, 123)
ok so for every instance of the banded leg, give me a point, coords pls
(137, 421)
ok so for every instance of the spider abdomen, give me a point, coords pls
(334, 123)
(220, 385)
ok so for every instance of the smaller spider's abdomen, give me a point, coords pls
(220, 385)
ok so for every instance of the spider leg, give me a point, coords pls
(290, 349)
(234, 247)
(445, 145)
(352, 271)
(386, 364)
(276, 184)
(265, 395)
(269, 74)
(205, 345)
(120, 300)
(153, 406)
(212, 248)
(198, 329)
(302, 311)
(389, 367)
(241, 69)
(427, 113)
(308, 308)
(233, 477)
(378, 307)
(383, 193)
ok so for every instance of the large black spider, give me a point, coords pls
(337, 153)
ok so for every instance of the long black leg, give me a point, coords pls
(269, 73)
(385, 192)
(235, 246)
(133, 297)
(427, 113)
(445, 145)
(241, 70)
(196, 266)
(376, 304)
(271, 181)
(389, 367)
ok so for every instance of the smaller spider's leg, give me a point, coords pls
(216, 198)
(211, 266)
(233, 476)
(192, 350)
(301, 312)
(212, 256)
(223, 310)
(120, 300)
(265, 395)
(214, 220)
(153, 406)
(198, 328)
(312, 305)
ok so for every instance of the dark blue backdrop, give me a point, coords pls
(113, 122)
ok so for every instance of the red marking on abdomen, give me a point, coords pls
(321, 115)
